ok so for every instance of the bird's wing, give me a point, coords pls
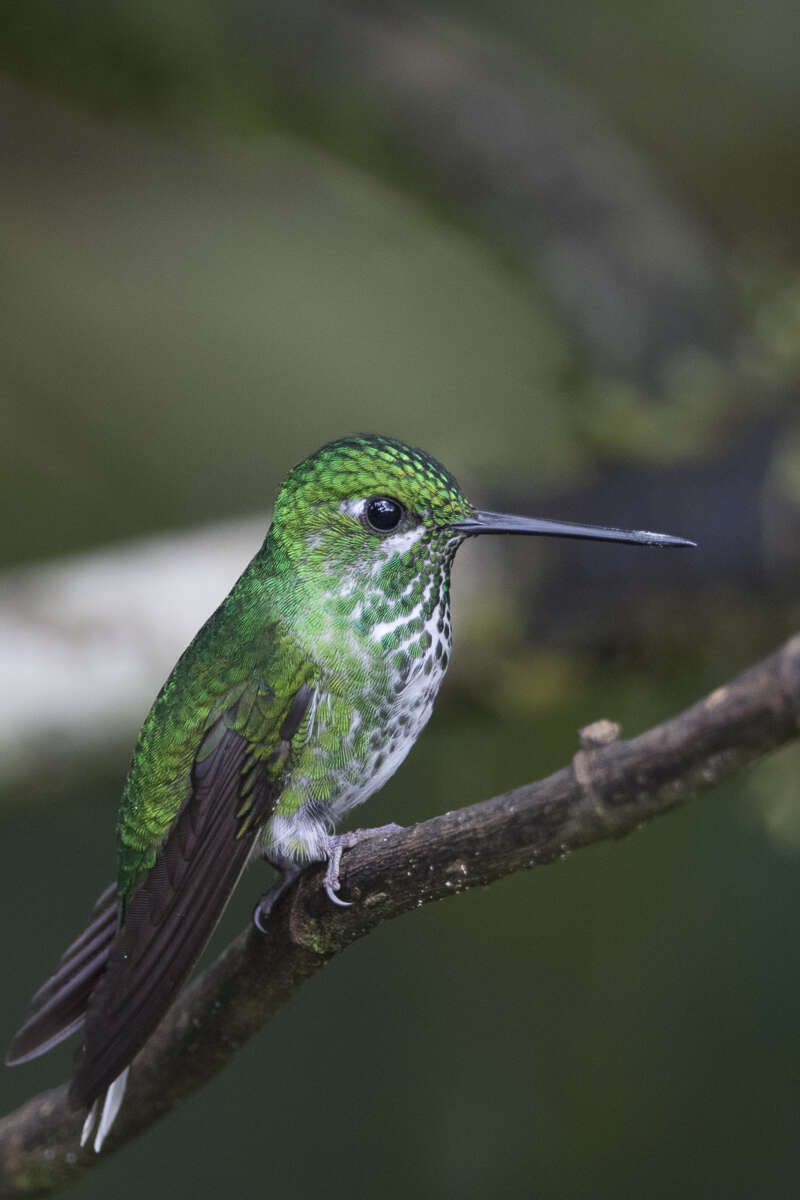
(173, 911)
(59, 1006)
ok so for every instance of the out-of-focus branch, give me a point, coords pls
(87, 641)
(512, 151)
(610, 788)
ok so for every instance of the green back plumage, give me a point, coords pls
(223, 671)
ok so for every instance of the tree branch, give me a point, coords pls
(610, 788)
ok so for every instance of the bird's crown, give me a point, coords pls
(366, 489)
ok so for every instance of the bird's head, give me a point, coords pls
(367, 498)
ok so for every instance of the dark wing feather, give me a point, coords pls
(173, 912)
(58, 1007)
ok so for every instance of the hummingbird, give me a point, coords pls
(296, 701)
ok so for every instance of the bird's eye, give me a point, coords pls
(383, 514)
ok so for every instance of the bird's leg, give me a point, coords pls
(346, 841)
(289, 870)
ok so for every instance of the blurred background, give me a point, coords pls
(557, 246)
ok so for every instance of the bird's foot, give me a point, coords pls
(288, 873)
(346, 841)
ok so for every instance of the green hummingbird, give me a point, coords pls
(299, 698)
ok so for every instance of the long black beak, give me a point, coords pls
(491, 522)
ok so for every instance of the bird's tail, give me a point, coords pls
(101, 1117)
(59, 1006)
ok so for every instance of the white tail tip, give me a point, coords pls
(112, 1101)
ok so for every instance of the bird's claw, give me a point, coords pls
(288, 873)
(260, 914)
(346, 841)
(331, 881)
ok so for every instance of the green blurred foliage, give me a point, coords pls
(710, 88)
(200, 291)
(163, 60)
(188, 321)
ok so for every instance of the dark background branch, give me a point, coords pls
(509, 150)
(611, 787)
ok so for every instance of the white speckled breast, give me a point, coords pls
(356, 739)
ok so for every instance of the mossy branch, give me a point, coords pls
(610, 788)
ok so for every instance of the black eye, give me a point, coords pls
(383, 514)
